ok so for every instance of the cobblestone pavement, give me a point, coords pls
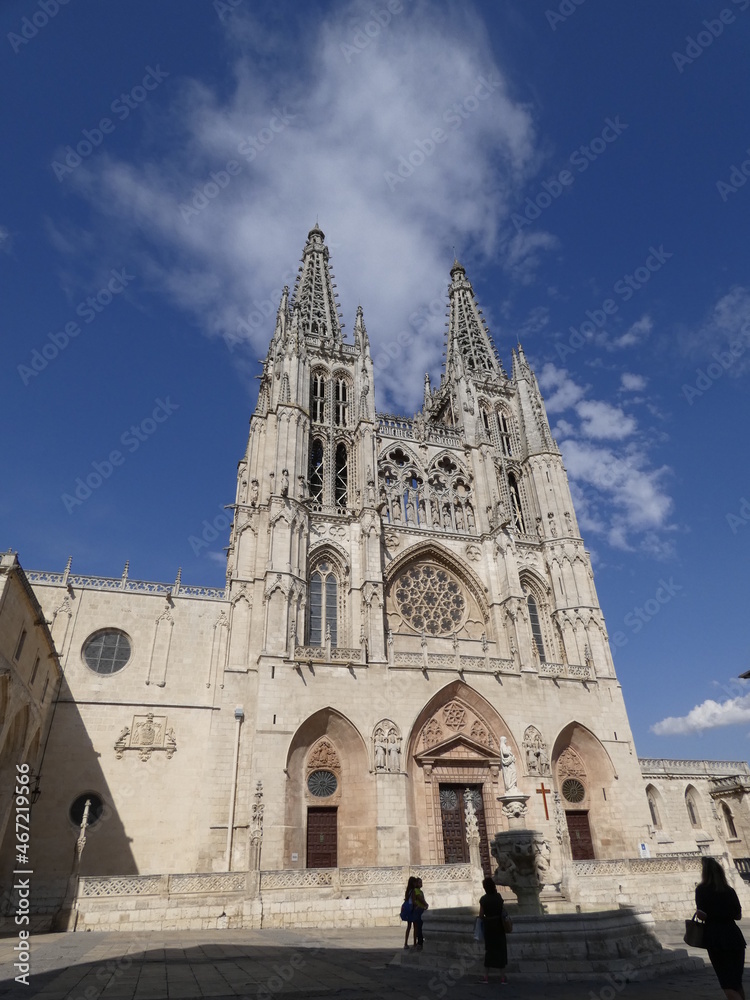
(343, 965)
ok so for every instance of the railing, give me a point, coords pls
(392, 425)
(578, 671)
(453, 661)
(662, 863)
(92, 887)
(124, 583)
(689, 767)
(743, 867)
(315, 878)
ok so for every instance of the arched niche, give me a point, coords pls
(327, 735)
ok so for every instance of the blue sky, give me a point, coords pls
(164, 162)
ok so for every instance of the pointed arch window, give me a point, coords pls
(318, 398)
(536, 628)
(341, 402)
(653, 809)
(503, 426)
(515, 503)
(323, 605)
(315, 477)
(729, 821)
(342, 475)
(692, 808)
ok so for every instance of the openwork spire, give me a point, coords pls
(313, 291)
(469, 344)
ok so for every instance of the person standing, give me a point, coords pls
(716, 902)
(407, 910)
(495, 944)
(420, 905)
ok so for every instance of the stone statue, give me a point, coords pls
(394, 754)
(380, 749)
(254, 493)
(508, 764)
(285, 482)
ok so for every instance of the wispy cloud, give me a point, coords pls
(709, 714)
(727, 324)
(318, 141)
(618, 492)
(632, 383)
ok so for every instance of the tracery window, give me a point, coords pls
(341, 484)
(536, 629)
(315, 476)
(323, 605)
(654, 810)
(503, 426)
(441, 500)
(318, 398)
(515, 504)
(341, 402)
(430, 600)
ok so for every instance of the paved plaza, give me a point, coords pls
(350, 965)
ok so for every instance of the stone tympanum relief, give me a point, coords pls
(535, 751)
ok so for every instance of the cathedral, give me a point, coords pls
(409, 617)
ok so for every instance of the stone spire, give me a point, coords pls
(470, 348)
(314, 291)
(361, 340)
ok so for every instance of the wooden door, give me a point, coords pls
(581, 844)
(453, 816)
(321, 838)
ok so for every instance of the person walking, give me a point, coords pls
(716, 902)
(420, 905)
(495, 944)
(408, 908)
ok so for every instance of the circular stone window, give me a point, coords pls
(430, 600)
(107, 651)
(95, 809)
(322, 784)
(573, 790)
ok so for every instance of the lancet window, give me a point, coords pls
(729, 821)
(516, 506)
(441, 500)
(341, 394)
(341, 483)
(536, 628)
(318, 398)
(315, 476)
(323, 606)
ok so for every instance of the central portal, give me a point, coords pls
(453, 800)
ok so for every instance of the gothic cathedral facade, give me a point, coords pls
(407, 600)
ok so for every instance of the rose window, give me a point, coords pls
(448, 799)
(430, 600)
(573, 790)
(322, 783)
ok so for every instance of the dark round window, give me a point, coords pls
(95, 809)
(107, 651)
(573, 790)
(322, 783)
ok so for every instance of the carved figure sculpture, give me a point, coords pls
(508, 764)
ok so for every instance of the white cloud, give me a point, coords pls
(633, 335)
(632, 383)
(727, 325)
(6, 240)
(617, 492)
(602, 420)
(331, 132)
(523, 254)
(709, 714)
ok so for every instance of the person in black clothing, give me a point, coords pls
(717, 904)
(495, 944)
